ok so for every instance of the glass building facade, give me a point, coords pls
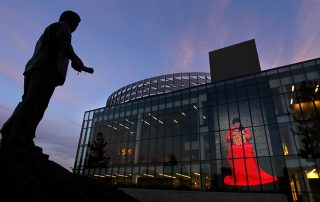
(254, 133)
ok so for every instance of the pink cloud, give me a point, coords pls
(307, 39)
(195, 41)
(11, 72)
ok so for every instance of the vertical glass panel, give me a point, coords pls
(177, 148)
(312, 72)
(260, 140)
(168, 123)
(252, 88)
(176, 130)
(205, 176)
(280, 108)
(264, 88)
(223, 117)
(185, 144)
(204, 144)
(256, 113)
(245, 114)
(274, 141)
(144, 151)
(152, 151)
(167, 149)
(195, 176)
(159, 150)
(160, 126)
(216, 175)
(294, 176)
(214, 124)
(193, 121)
(195, 153)
(224, 144)
(231, 95)
(287, 139)
(183, 176)
(222, 98)
(233, 112)
(215, 145)
(275, 84)
(241, 91)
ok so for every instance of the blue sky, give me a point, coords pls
(130, 40)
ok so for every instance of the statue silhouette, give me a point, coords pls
(46, 70)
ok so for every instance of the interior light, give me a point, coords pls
(204, 117)
(197, 174)
(175, 121)
(291, 101)
(292, 88)
(183, 175)
(183, 114)
(148, 175)
(317, 88)
(313, 174)
(195, 107)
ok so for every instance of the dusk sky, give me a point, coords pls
(130, 40)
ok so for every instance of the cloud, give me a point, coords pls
(307, 39)
(58, 137)
(10, 72)
(189, 49)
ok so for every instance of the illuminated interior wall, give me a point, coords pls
(179, 140)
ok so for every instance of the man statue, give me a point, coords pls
(46, 70)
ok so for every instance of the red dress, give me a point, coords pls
(242, 158)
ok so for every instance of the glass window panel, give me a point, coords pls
(223, 117)
(212, 97)
(182, 177)
(194, 145)
(312, 73)
(266, 174)
(252, 89)
(287, 139)
(193, 121)
(280, 105)
(264, 87)
(245, 114)
(185, 144)
(274, 141)
(168, 124)
(222, 98)
(204, 144)
(216, 175)
(215, 145)
(241, 91)
(223, 144)
(206, 182)
(159, 150)
(152, 151)
(161, 125)
(167, 149)
(260, 140)
(177, 148)
(231, 95)
(195, 176)
(256, 113)
(213, 114)
(176, 124)
(233, 112)
(268, 110)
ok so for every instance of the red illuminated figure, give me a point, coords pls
(242, 159)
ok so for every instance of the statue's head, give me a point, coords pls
(70, 17)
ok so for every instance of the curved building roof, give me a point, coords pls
(158, 85)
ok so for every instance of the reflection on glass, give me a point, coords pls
(242, 158)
